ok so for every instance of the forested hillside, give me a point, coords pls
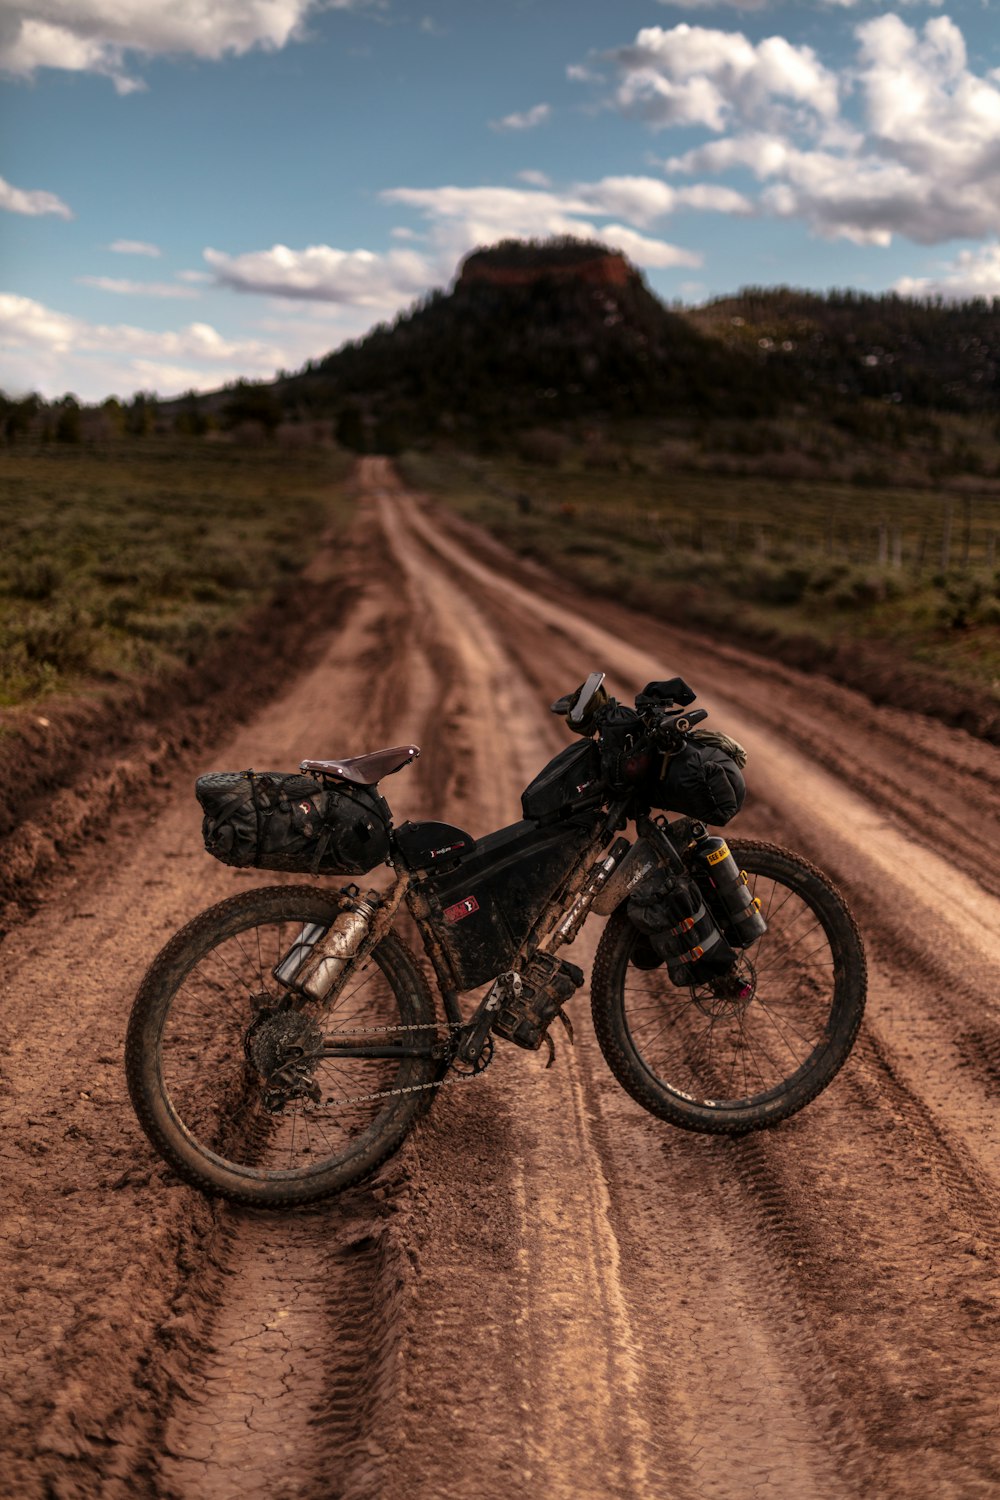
(564, 337)
(944, 355)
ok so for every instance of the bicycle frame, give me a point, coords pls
(556, 927)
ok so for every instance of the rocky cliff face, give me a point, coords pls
(603, 268)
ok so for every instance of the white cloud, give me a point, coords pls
(714, 198)
(535, 179)
(691, 75)
(973, 273)
(647, 252)
(95, 36)
(463, 218)
(32, 202)
(919, 156)
(124, 288)
(52, 352)
(641, 200)
(531, 118)
(460, 220)
(135, 247)
(321, 273)
(923, 105)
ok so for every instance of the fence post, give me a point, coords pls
(967, 531)
(946, 539)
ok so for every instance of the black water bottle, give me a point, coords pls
(714, 865)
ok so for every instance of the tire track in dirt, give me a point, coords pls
(290, 1391)
(756, 1433)
(547, 1290)
(154, 1267)
(917, 895)
(591, 1361)
(961, 1175)
(888, 754)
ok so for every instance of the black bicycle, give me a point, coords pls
(285, 1041)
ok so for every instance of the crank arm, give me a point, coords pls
(478, 1027)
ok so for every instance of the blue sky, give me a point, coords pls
(190, 193)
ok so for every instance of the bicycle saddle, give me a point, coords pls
(365, 770)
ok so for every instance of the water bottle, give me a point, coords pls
(715, 866)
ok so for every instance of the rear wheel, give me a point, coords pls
(742, 1054)
(227, 1070)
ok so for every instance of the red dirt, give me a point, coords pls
(547, 1290)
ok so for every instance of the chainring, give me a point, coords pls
(470, 1069)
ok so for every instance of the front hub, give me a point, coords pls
(728, 994)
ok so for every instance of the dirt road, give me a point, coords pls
(547, 1291)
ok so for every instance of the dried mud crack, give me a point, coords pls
(547, 1290)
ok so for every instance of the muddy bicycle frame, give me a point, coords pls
(557, 924)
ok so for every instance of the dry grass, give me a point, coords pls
(131, 562)
(915, 570)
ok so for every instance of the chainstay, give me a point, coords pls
(408, 1088)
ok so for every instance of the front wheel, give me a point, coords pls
(729, 1058)
(237, 1080)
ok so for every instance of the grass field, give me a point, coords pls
(129, 563)
(915, 570)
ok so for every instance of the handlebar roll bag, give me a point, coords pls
(699, 781)
(275, 820)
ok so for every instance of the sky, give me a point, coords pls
(194, 192)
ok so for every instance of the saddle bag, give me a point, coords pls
(274, 820)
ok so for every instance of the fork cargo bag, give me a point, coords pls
(274, 820)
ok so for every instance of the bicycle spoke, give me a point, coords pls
(707, 1045)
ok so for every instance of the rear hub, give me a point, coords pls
(284, 1046)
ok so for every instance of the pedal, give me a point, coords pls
(545, 985)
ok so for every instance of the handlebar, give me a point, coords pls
(669, 729)
(585, 709)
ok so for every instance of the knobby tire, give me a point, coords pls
(192, 1076)
(719, 1067)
